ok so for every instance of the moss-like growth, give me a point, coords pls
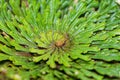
(59, 40)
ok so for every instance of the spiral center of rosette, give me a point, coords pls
(56, 41)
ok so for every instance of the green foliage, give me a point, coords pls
(59, 40)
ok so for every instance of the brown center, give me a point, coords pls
(60, 43)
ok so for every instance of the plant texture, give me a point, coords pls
(59, 40)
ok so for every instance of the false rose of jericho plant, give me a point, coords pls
(55, 36)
